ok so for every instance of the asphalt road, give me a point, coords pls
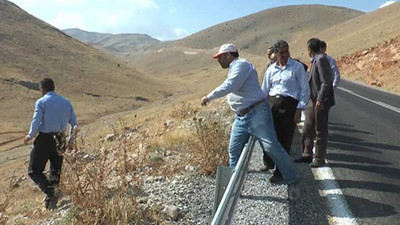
(364, 157)
(364, 152)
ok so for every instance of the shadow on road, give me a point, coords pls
(355, 159)
(367, 185)
(383, 171)
(349, 139)
(364, 208)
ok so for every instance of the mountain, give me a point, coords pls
(362, 32)
(346, 31)
(252, 34)
(86, 36)
(97, 83)
(255, 32)
(124, 44)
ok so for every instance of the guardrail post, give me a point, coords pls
(224, 174)
(227, 206)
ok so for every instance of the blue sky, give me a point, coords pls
(162, 19)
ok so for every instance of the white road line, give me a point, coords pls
(340, 213)
(370, 100)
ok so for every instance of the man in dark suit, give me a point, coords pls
(317, 111)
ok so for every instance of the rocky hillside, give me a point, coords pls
(377, 66)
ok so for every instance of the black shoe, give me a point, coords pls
(275, 179)
(267, 168)
(51, 202)
(317, 163)
(303, 160)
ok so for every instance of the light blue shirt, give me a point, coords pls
(52, 113)
(335, 71)
(241, 86)
(291, 80)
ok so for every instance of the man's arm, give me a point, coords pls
(266, 85)
(236, 77)
(325, 75)
(336, 73)
(73, 123)
(304, 87)
(36, 121)
(304, 92)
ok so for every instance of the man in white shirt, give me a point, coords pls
(253, 115)
(286, 85)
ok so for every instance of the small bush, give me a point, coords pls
(210, 144)
(104, 187)
(185, 110)
(4, 202)
(202, 140)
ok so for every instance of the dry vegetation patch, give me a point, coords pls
(104, 185)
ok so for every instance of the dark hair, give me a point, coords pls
(47, 84)
(323, 44)
(279, 44)
(235, 54)
(314, 44)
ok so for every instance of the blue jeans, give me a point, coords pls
(259, 122)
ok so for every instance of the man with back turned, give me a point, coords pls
(50, 118)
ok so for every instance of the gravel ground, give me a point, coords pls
(260, 202)
(192, 194)
(263, 203)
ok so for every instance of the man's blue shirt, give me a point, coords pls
(241, 86)
(52, 113)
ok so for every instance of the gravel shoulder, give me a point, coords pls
(260, 203)
(265, 203)
(188, 198)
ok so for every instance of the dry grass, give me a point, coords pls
(103, 181)
(201, 140)
(6, 195)
(210, 144)
(183, 111)
(104, 186)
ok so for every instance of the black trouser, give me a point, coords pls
(283, 110)
(44, 149)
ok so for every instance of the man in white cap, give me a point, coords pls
(253, 114)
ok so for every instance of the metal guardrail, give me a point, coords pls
(227, 206)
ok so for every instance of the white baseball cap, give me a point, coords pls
(224, 49)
